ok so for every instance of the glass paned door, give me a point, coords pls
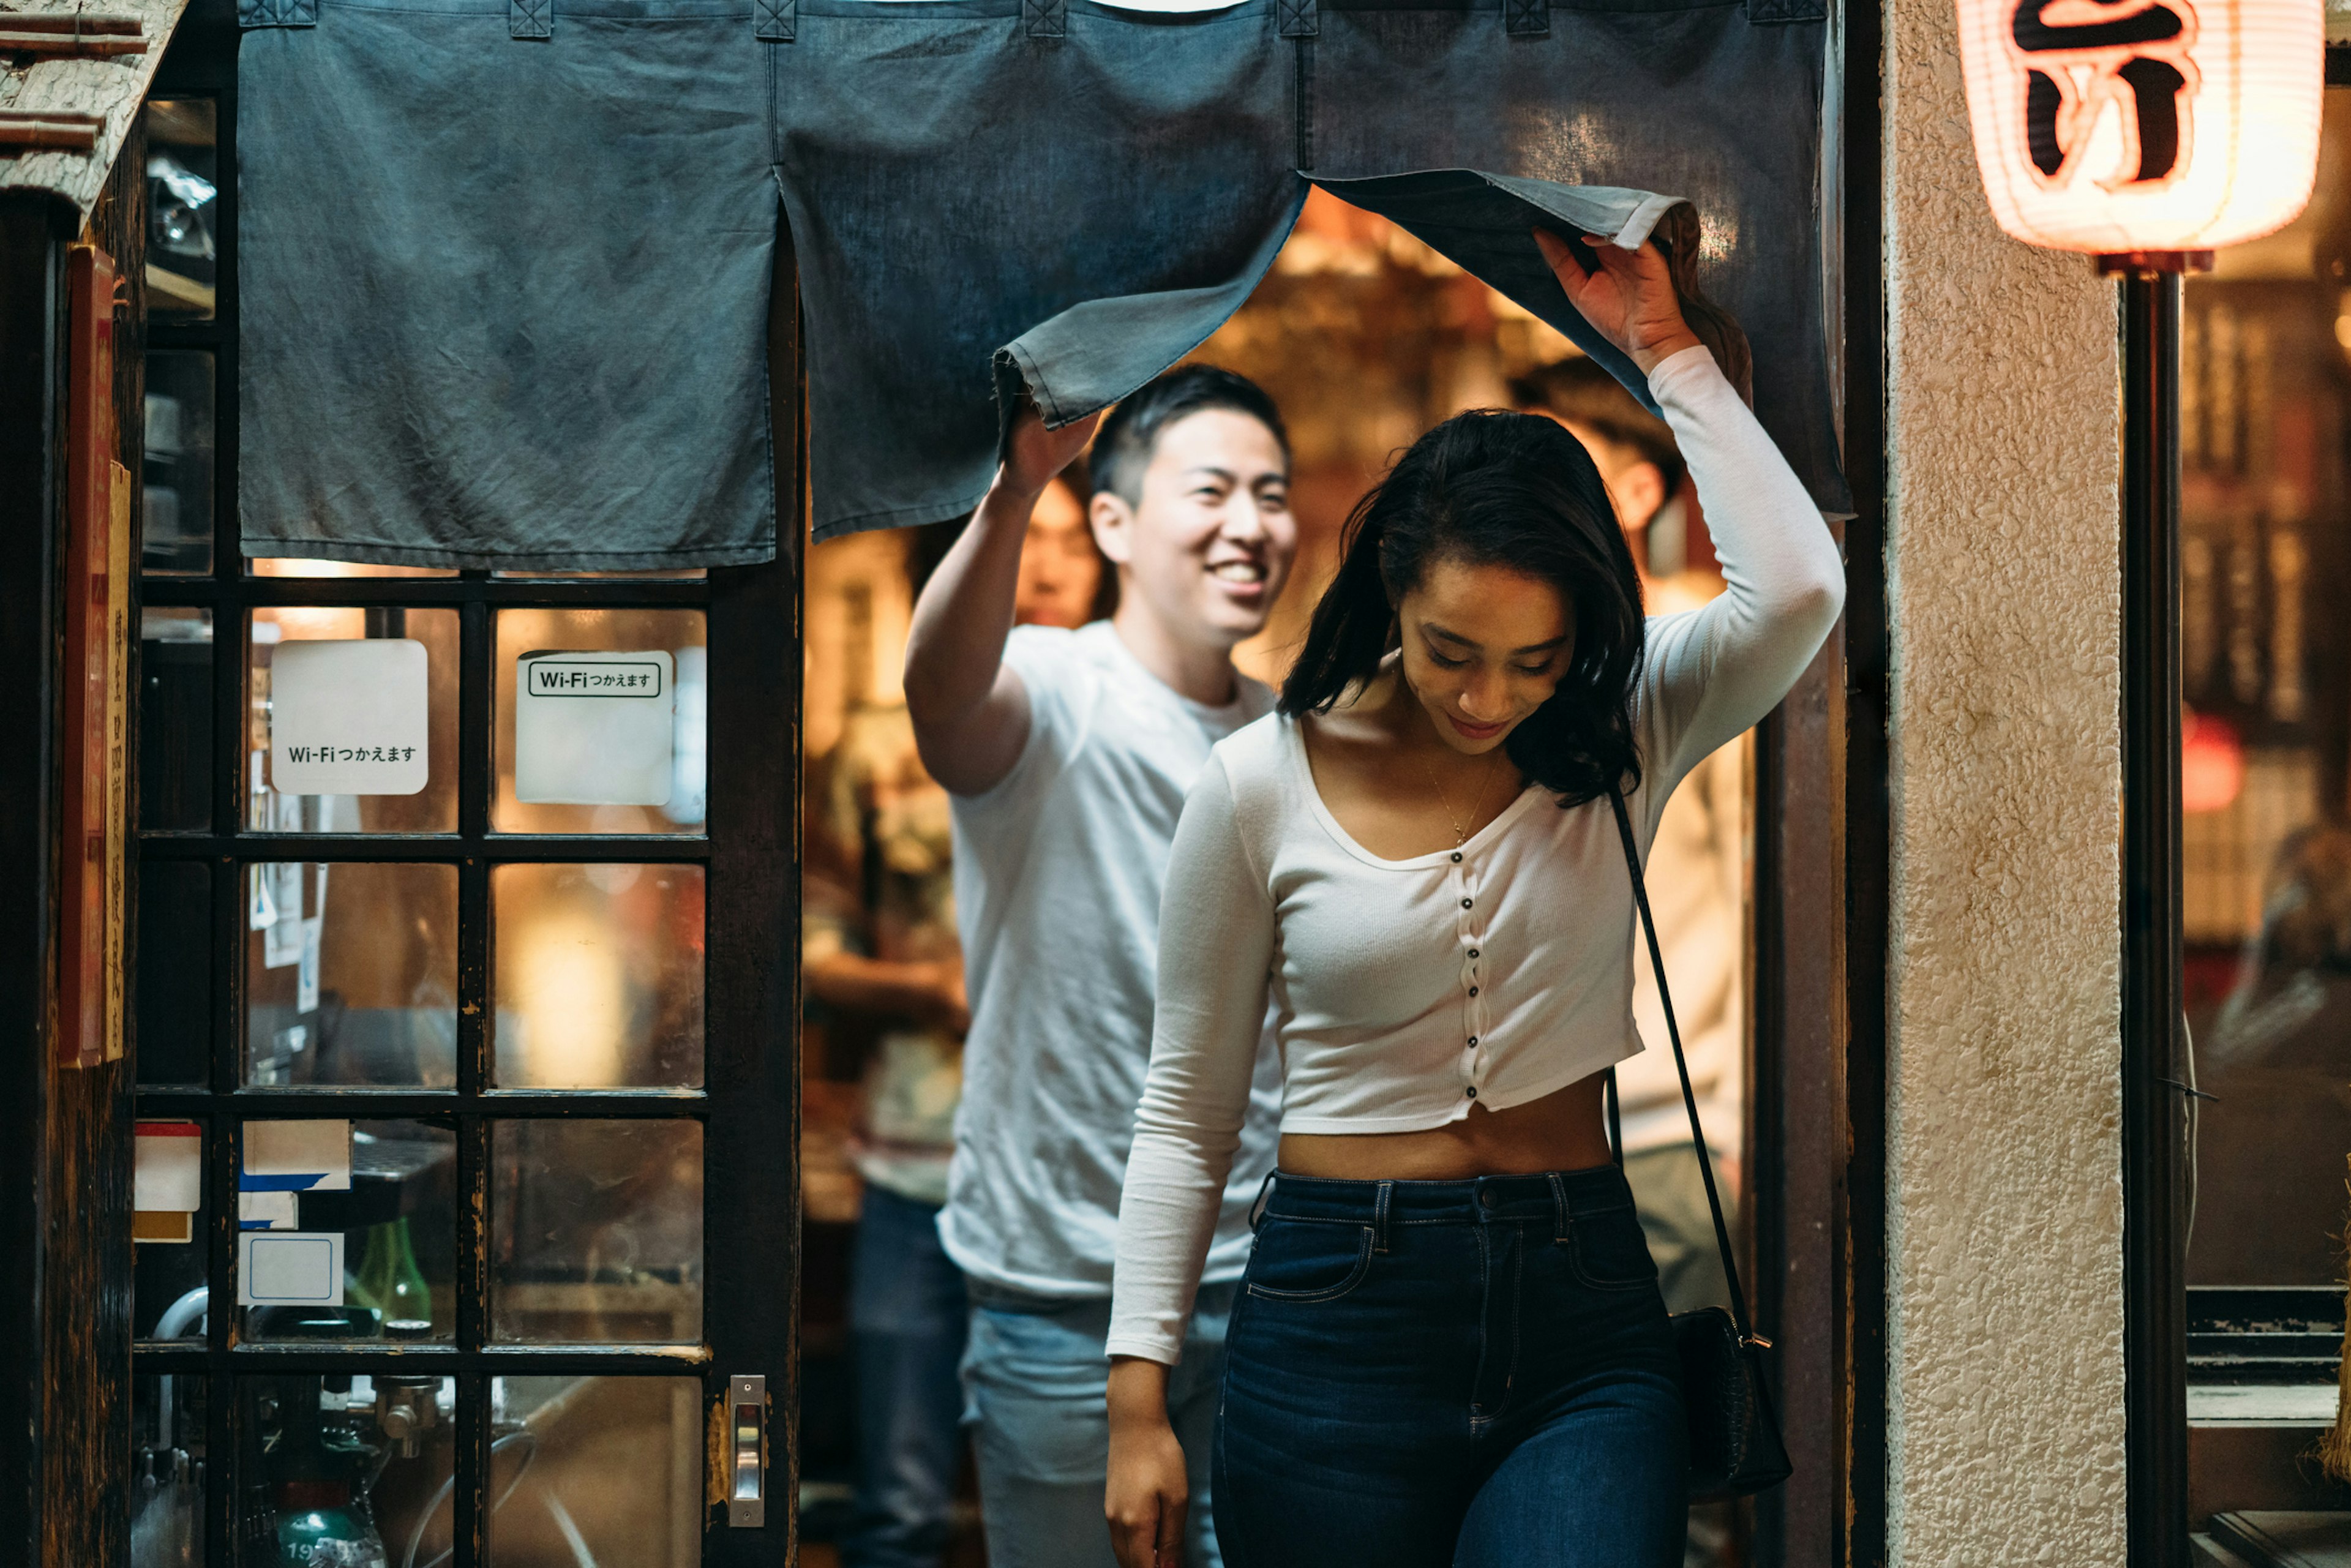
(465, 1041)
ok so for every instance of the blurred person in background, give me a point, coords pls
(880, 947)
(1064, 581)
(1696, 877)
(2268, 1199)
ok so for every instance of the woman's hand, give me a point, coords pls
(1036, 454)
(1630, 299)
(1148, 1490)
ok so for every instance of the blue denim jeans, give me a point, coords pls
(907, 1318)
(1476, 1373)
(1036, 1378)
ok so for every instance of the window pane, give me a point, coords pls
(350, 975)
(303, 566)
(167, 1470)
(2265, 871)
(175, 1015)
(431, 810)
(600, 782)
(175, 719)
(183, 209)
(353, 1470)
(170, 1244)
(176, 490)
(596, 1232)
(389, 1208)
(598, 976)
(613, 1476)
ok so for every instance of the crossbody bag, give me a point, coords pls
(1735, 1448)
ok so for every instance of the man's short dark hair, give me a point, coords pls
(1581, 391)
(1130, 433)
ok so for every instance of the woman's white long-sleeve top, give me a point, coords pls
(1406, 992)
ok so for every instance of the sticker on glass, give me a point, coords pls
(296, 1156)
(347, 717)
(594, 729)
(290, 1268)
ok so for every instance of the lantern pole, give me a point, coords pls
(2154, 1145)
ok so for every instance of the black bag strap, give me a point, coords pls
(1747, 1334)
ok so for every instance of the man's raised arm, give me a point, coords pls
(971, 713)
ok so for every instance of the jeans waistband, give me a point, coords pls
(1560, 1197)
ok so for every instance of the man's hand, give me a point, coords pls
(946, 1003)
(1629, 297)
(1037, 453)
(1149, 1489)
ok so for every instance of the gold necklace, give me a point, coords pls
(1460, 833)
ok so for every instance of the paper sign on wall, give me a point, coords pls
(347, 717)
(290, 1268)
(594, 729)
(296, 1156)
(167, 1166)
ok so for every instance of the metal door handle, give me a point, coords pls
(747, 1445)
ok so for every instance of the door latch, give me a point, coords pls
(746, 1450)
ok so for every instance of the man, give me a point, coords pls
(1696, 880)
(1069, 756)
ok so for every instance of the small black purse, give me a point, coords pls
(1734, 1439)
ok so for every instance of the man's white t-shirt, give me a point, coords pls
(1058, 871)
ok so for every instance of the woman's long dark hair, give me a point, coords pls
(1511, 490)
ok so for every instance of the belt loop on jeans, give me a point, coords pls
(1380, 1216)
(1256, 1204)
(530, 18)
(776, 21)
(1047, 18)
(1559, 1213)
(1526, 19)
(1298, 18)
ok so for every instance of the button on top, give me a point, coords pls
(1473, 991)
(1488, 1198)
(1473, 1039)
(1456, 857)
(1471, 1091)
(1473, 952)
(1465, 903)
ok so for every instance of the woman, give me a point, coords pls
(1449, 1346)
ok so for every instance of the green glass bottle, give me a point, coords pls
(390, 1284)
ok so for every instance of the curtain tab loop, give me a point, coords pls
(252, 14)
(1526, 19)
(1298, 18)
(1047, 18)
(777, 21)
(530, 18)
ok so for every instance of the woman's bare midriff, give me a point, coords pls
(1561, 1132)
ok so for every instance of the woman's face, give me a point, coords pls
(1484, 646)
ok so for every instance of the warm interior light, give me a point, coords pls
(2115, 126)
(2212, 763)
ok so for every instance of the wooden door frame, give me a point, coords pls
(1822, 843)
(65, 1144)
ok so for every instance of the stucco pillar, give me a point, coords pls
(2003, 1161)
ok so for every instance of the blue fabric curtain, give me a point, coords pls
(504, 267)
